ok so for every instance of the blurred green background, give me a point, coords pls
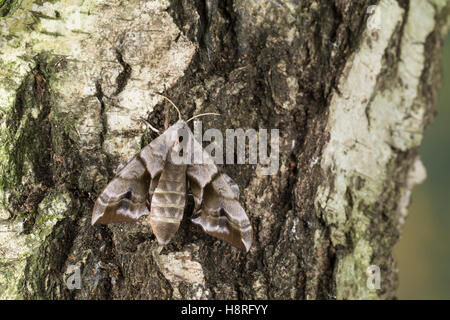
(423, 252)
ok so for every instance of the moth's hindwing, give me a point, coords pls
(219, 212)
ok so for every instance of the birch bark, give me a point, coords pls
(350, 84)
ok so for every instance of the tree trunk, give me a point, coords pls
(350, 84)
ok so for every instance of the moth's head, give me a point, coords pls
(179, 138)
(180, 120)
(181, 124)
(179, 131)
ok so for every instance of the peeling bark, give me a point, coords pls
(350, 89)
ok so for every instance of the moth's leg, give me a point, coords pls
(149, 124)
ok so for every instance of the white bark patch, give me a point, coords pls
(416, 175)
(353, 149)
(15, 246)
(88, 34)
(179, 267)
(157, 54)
(366, 126)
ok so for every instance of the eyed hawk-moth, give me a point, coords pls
(155, 182)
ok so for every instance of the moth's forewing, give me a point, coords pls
(124, 198)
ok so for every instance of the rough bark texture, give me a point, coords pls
(351, 98)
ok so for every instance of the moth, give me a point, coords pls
(155, 182)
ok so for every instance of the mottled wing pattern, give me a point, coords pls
(127, 197)
(218, 210)
(151, 177)
(124, 198)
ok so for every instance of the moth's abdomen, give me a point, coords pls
(168, 201)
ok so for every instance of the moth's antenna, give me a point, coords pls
(149, 124)
(203, 114)
(173, 104)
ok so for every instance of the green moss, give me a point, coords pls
(9, 278)
(440, 4)
(34, 132)
(29, 136)
(53, 208)
(23, 141)
(7, 7)
(351, 273)
(33, 248)
(26, 159)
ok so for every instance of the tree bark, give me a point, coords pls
(351, 88)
